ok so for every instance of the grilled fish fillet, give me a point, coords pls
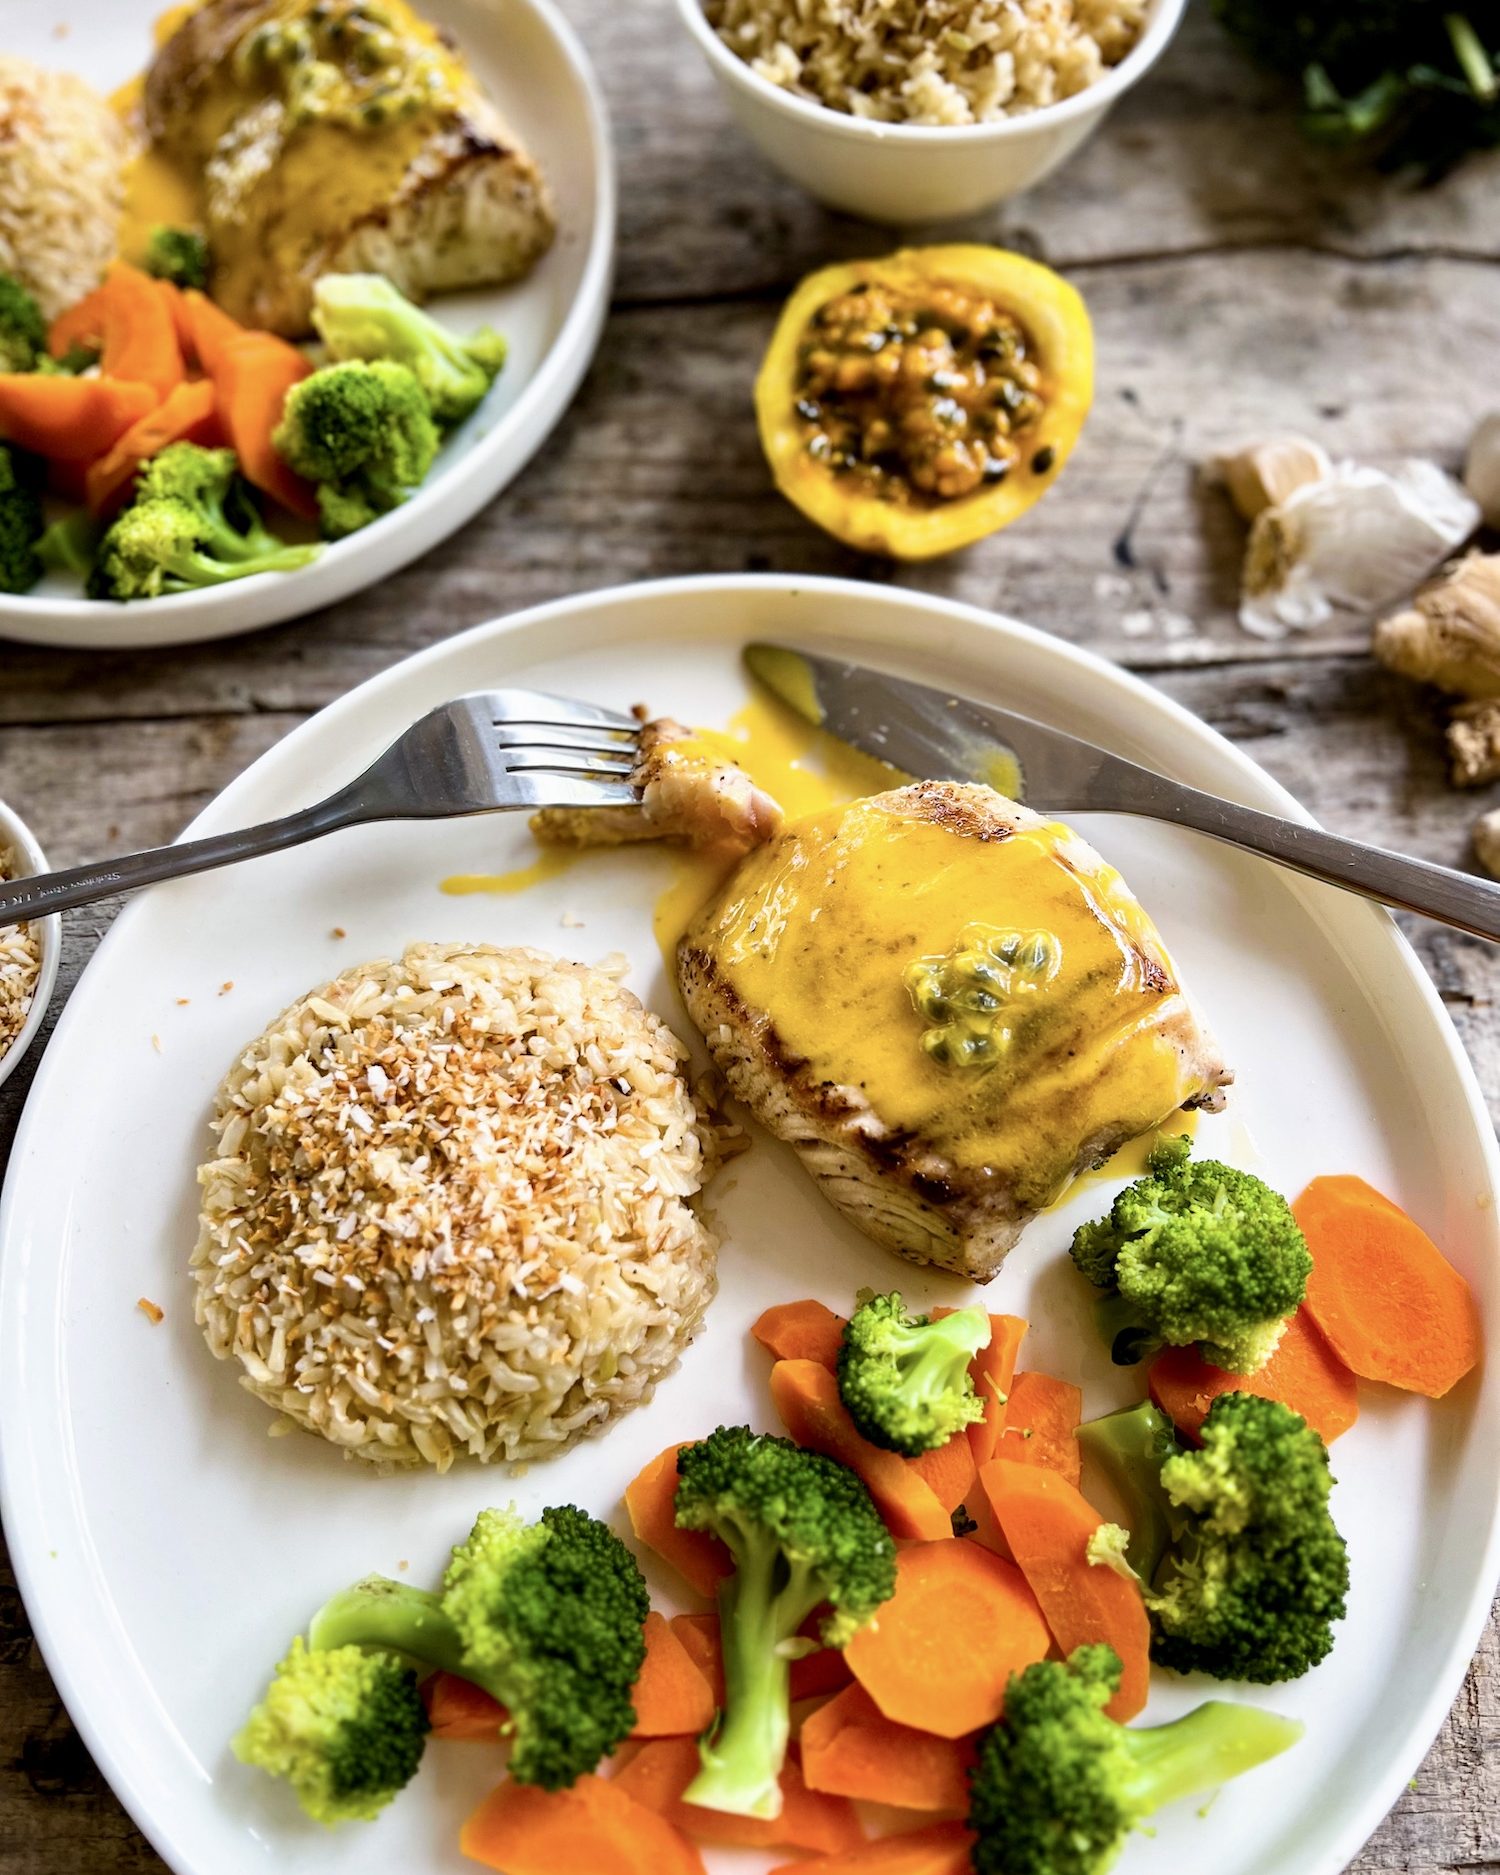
(940, 1101)
(690, 793)
(340, 136)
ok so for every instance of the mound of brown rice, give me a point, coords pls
(20, 965)
(930, 61)
(450, 1210)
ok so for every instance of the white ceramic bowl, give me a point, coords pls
(19, 839)
(906, 174)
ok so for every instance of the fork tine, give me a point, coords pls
(562, 736)
(541, 708)
(543, 761)
(548, 790)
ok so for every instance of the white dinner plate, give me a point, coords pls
(527, 57)
(167, 1548)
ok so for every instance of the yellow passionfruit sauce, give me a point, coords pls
(821, 922)
(548, 864)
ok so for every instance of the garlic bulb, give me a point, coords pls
(1262, 475)
(1355, 541)
(1482, 471)
(1487, 841)
(1450, 634)
(1474, 744)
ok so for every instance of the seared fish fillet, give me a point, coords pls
(949, 1006)
(340, 136)
(690, 794)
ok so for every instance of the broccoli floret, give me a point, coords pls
(1197, 1251)
(364, 433)
(67, 545)
(192, 522)
(345, 1728)
(548, 1618)
(361, 315)
(1131, 1447)
(23, 330)
(178, 255)
(1059, 1785)
(905, 1378)
(21, 525)
(804, 1533)
(1257, 1572)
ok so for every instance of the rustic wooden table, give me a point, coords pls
(1237, 280)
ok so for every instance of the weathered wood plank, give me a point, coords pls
(658, 471)
(1202, 154)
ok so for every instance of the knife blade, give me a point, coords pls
(934, 734)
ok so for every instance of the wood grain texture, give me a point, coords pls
(1237, 279)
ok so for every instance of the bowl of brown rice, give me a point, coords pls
(29, 953)
(917, 111)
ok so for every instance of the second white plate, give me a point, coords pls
(528, 59)
(167, 1549)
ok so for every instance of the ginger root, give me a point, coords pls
(1487, 841)
(1450, 636)
(1474, 744)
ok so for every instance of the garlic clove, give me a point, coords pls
(1487, 841)
(1474, 744)
(1262, 475)
(1356, 541)
(1482, 470)
(1450, 634)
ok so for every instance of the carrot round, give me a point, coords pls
(806, 1396)
(661, 1771)
(949, 1472)
(252, 375)
(823, 1671)
(458, 1709)
(1041, 1424)
(1304, 1373)
(994, 1371)
(187, 415)
(68, 419)
(672, 1698)
(801, 1331)
(1047, 1524)
(940, 1653)
(596, 1826)
(1391, 1305)
(939, 1849)
(850, 1748)
(651, 1499)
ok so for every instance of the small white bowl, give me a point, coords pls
(906, 174)
(18, 838)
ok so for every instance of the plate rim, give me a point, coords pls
(25, 1532)
(438, 509)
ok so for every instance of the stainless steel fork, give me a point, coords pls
(496, 750)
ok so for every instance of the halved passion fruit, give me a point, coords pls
(914, 404)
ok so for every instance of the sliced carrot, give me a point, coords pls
(252, 375)
(82, 323)
(661, 1771)
(140, 335)
(941, 1652)
(940, 1849)
(1048, 1523)
(801, 1331)
(186, 415)
(950, 1472)
(814, 1674)
(672, 1698)
(993, 1369)
(1391, 1305)
(68, 419)
(850, 1748)
(1304, 1373)
(177, 309)
(651, 1499)
(594, 1826)
(1041, 1424)
(208, 328)
(458, 1709)
(807, 1398)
